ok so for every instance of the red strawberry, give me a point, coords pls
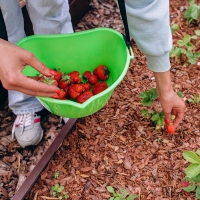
(48, 80)
(56, 74)
(74, 77)
(61, 94)
(64, 81)
(84, 96)
(75, 90)
(86, 74)
(184, 184)
(87, 86)
(171, 129)
(99, 87)
(167, 121)
(102, 72)
(92, 79)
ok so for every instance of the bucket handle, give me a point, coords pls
(131, 54)
(122, 9)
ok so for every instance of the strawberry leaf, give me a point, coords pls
(193, 170)
(190, 188)
(191, 157)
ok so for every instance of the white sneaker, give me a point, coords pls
(27, 129)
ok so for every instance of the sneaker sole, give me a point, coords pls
(41, 136)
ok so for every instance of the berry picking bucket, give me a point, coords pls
(80, 51)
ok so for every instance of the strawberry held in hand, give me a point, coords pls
(102, 72)
(83, 97)
(48, 80)
(99, 87)
(61, 94)
(56, 74)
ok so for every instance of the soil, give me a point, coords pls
(116, 146)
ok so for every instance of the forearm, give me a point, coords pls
(163, 83)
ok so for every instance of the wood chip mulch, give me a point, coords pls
(116, 146)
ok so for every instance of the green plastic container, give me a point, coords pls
(80, 51)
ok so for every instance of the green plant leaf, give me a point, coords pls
(174, 27)
(132, 196)
(192, 60)
(196, 54)
(60, 189)
(191, 180)
(189, 188)
(197, 32)
(196, 179)
(189, 54)
(110, 189)
(160, 121)
(180, 94)
(193, 170)
(190, 100)
(186, 39)
(143, 95)
(123, 192)
(198, 192)
(155, 117)
(195, 12)
(177, 51)
(198, 152)
(191, 157)
(147, 101)
(153, 93)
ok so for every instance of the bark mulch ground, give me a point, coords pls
(116, 146)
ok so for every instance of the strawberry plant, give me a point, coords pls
(148, 97)
(195, 101)
(57, 191)
(174, 27)
(192, 13)
(121, 194)
(185, 47)
(56, 175)
(191, 182)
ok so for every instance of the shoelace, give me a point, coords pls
(22, 121)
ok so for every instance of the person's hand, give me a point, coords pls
(13, 60)
(171, 103)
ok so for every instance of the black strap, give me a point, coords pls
(122, 8)
(3, 32)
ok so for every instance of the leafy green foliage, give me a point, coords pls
(156, 117)
(57, 191)
(195, 101)
(121, 194)
(185, 46)
(148, 97)
(56, 175)
(180, 94)
(192, 172)
(193, 12)
(174, 27)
